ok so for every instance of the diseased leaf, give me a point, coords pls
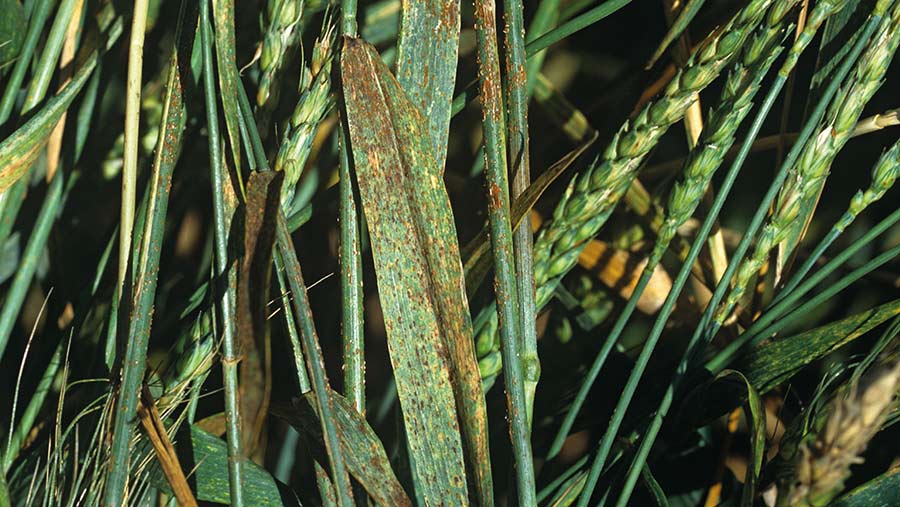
(260, 214)
(769, 363)
(22, 147)
(427, 51)
(882, 491)
(205, 460)
(420, 281)
(226, 66)
(364, 452)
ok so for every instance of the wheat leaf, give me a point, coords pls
(22, 147)
(366, 458)
(206, 464)
(769, 363)
(420, 279)
(427, 49)
(883, 490)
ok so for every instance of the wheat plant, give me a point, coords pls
(243, 247)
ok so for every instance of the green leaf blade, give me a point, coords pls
(427, 51)
(420, 280)
(769, 363)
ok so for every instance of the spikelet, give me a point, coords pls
(314, 104)
(823, 459)
(806, 177)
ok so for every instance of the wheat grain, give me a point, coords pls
(718, 134)
(591, 196)
(315, 102)
(884, 174)
(282, 35)
(823, 459)
(808, 174)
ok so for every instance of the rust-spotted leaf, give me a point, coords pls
(366, 458)
(420, 282)
(427, 50)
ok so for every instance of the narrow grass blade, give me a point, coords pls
(229, 81)
(23, 427)
(367, 460)
(427, 48)
(135, 360)
(770, 363)
(656, 491)
(678, 27)
(420, 278)
(22, 147)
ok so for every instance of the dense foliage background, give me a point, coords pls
(280, 252)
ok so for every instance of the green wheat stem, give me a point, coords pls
(807, 176)
(505, 286)
(351, 286)
(716, 139)
(223, 268)
(348, 18)
(555, 35)
(351, 256)
(516, 93)
(135, 360)
(695, 345)
(130, 151)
